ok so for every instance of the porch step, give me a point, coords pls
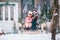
(33, 32)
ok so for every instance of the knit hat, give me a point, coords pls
(30, 12)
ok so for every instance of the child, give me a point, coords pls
(28, 21)
(34, 20)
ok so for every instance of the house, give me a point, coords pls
(11, 16)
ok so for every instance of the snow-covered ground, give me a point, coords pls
(42, 36)
(20, 36)
(58, 36)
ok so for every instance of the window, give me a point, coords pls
(6, 13)
(12, 12)
(0, 13)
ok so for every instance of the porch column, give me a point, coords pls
(16, 15)
(3, 12)
(9, 13)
